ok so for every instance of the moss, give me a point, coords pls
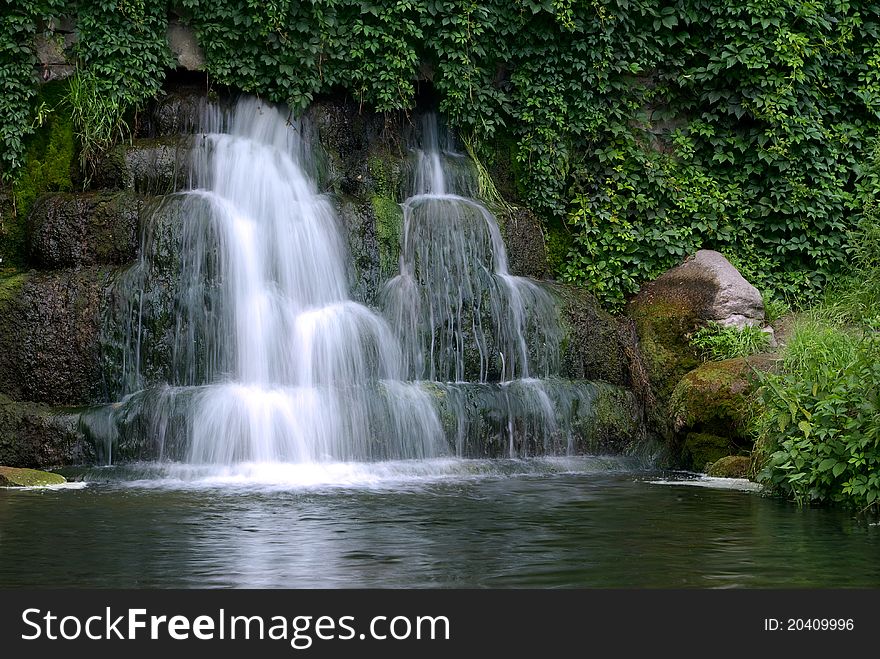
(559, 243)
(10, 286)
(662, 327)
(16, 477)
(716, 396)
(731, 466)
(382, 176)
(48, 167)
(702, 449)
(389, 227)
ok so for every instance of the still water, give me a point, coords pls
(586, 522)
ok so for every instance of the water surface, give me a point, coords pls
(588, 522)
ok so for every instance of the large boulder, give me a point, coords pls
(715, 400)
(705, 288)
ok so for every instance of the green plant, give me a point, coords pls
(816, 344)
(819, 436)
(98, 119)
(715, 342)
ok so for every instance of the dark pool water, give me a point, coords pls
(460, 524)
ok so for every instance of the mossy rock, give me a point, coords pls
(146, 165)
(663, 324)
(17, 477)
(715, 397)
(594, 347)
(524, 238)
(702, 449)
(731, 466)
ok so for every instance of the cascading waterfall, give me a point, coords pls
(242, 345)
(271, 359)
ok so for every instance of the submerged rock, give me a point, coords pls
(16, 477)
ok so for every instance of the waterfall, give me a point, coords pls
(241, 343)
(271, 359)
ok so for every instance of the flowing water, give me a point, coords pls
(242, 344)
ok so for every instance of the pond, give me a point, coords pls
(551, 522)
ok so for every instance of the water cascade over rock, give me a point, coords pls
(235, 339)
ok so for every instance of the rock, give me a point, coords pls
(716, 399)
(37, 436)
(178, 112)
(731, 466)
(592, 346)
(715, 396)
(52, 60)
(70, 230)
(524, 238)
(147, 165)
(704, 288)
(50, 329)
(732, 300)
(17, 477)
(702, 449)
(185, 47)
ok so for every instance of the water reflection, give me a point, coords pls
(595, 529)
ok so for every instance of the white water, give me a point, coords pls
(270, 370)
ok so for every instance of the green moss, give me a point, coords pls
(716, 397)
(731, 466)
(15, 477)
(662, 327)
(702, 449)
(382, 176)
(10, 285)
(389, 227)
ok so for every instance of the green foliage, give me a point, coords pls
(816, 344)
(716, 342)
(650, 128)
(98, 119)
(820, 433)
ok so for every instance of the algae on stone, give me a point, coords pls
(731, 466)
(18, 477)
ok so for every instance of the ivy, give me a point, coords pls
(647, 128)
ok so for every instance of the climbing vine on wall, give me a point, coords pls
(640, 129)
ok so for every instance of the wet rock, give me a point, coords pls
(178, 112)
(49, 335)
(38, 436)
(524, 238)
(70, 230)
(593, 345)
(147, 165)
